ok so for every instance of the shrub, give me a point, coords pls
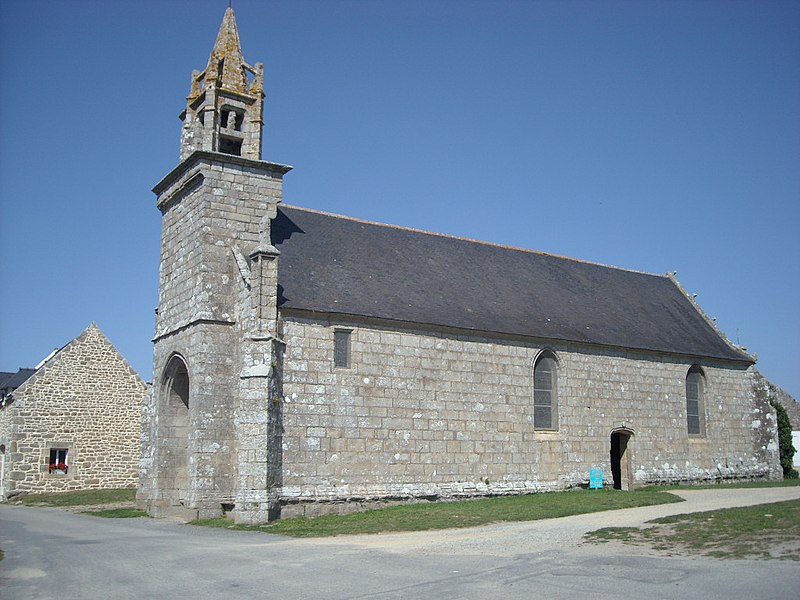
(785, 446)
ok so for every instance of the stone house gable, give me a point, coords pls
(80, 410)
(792, 407)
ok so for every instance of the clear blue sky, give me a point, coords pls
(658, 136)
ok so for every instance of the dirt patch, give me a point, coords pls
(663, 540)
(89, 507)
(760, 532)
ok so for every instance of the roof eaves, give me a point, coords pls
(327, 315)
(746, 356)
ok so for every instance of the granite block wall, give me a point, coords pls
(426, 413)
(215, 212)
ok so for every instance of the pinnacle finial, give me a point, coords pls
(226, 66)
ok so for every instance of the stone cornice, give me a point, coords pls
(186, 325)
(496, 336)
(204, 156)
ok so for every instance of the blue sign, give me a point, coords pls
(596, 479)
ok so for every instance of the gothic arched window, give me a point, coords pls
(545, 391)
(695, 410)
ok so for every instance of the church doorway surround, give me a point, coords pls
(621, 464)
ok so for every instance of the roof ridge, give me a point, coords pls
(59, 353)
(472, 240)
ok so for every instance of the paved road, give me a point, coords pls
(53, 554)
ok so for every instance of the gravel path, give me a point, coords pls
(565, 533)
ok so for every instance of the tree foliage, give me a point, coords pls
(786, 448)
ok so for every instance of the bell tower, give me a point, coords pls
(226, 100)
(212, 430)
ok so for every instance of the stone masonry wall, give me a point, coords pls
(420, 413)
(86, 399)
(207, 450)
(214, 211)
(6, 419)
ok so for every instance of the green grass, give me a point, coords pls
(117, 513)
(464, 513)
(763, 531)
(722, 485)
(80, 498)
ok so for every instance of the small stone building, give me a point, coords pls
(74, 423)
(306, 362)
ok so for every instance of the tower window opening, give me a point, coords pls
(230, 146)
(232, 119)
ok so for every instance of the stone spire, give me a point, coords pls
(226, 66)
(225, 104)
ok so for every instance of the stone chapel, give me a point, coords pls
(307, 362)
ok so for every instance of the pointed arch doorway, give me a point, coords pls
(174, 460)
(621, 464)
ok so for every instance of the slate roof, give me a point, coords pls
(11, 381)
(336, 264)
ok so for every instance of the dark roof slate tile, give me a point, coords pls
(13, 380)
(336, 264)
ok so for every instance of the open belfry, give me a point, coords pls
(307, 363)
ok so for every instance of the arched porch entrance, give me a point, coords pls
(174, 463)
